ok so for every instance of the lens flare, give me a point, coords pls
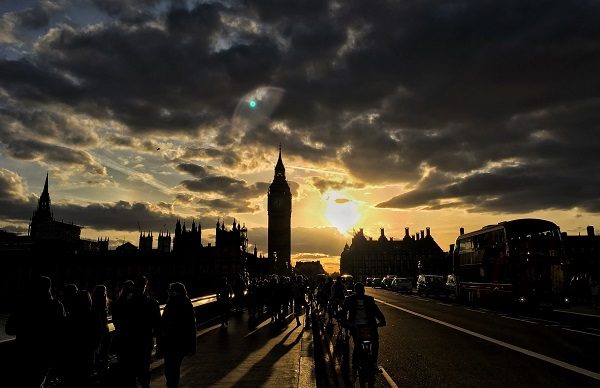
(256, 107)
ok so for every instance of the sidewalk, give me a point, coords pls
(239, 356)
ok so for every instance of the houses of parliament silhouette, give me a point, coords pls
(55, 248)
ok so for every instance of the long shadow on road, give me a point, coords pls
(236, 355)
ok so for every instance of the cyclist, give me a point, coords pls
(338, 294)
(360, 311)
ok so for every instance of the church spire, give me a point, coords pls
(44, 201)
(46, 183)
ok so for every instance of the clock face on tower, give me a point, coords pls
(277, 203)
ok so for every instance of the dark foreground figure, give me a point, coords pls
(178, 332)
(137, 321)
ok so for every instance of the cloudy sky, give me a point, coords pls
(391, 114)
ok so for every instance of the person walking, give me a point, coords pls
(81, 339)
(100, 310)
(224, 295)
(299, 295)
(178, 332)
(118, 308)
(139, 323)
(35, 322)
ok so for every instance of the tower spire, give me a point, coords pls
(279, 168)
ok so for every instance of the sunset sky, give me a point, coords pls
(391, 114)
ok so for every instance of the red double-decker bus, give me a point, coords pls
(517, 261)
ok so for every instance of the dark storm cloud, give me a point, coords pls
(523, 189)
(184, 198)
(36, 17)
(226, 157)
(193, 169)
(120, 215)
(325, 184)
(391, 90)
(129, 10)
(227, 186)
(155, 79)
(47, 124)
(230, 205)
(29, 149)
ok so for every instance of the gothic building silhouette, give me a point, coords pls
(280, 215)
(407, 257)
(187, 241)
(44, 229)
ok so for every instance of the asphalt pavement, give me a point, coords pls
(430, 342)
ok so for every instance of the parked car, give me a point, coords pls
(431, 285)
(387, 281)
(369, 282)
(348, 282)
(402, 285)
(377, 282)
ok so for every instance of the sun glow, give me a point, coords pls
(341, 211)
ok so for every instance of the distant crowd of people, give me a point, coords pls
(274, 297)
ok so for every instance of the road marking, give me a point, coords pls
(591, 328)
(572, 312)
(582, 332)
(519, 319)
(444, 304)
(542, 321)
(477, 311)
(388, 378)
(423, 299)
(562, 364)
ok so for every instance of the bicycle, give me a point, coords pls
(367, 368)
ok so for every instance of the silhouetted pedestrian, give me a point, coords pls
(69, 296)
(178, 332)
(100, 310)
(299, 293)
(118, 308)
(139, 322)
(224, 295)
(36, 321)
(81, 338)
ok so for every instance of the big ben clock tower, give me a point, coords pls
(280, 216)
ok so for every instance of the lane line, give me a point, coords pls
(477, 311)
(562, 364)
(519, 319)
(388, 378)
(444, 304)
(582, 332)
(572, 312)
